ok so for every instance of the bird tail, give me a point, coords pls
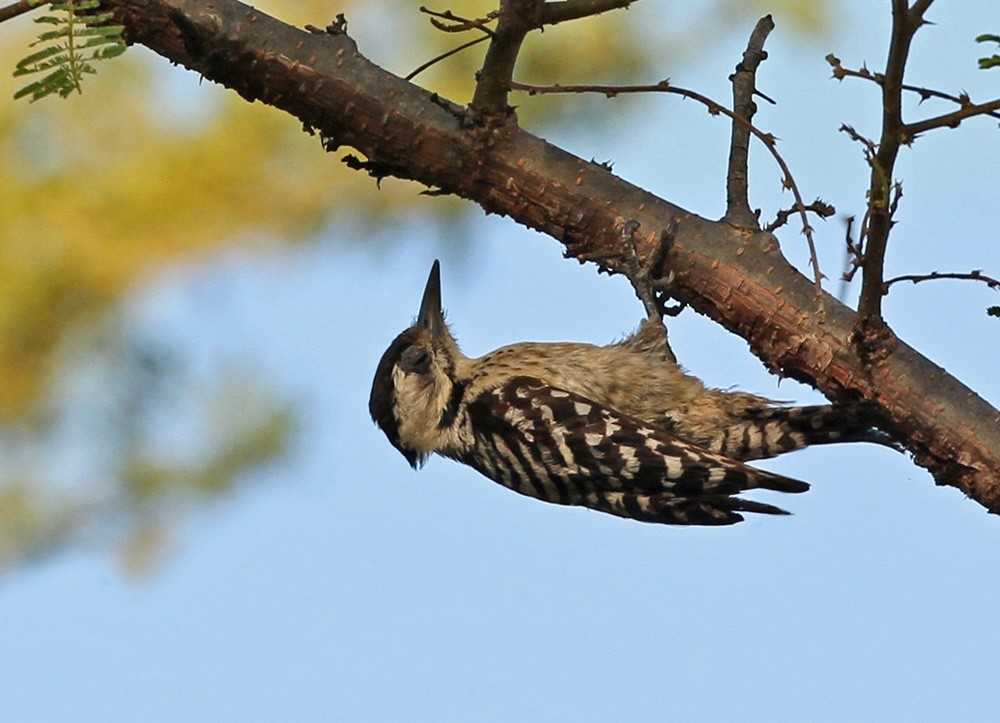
(769, 431)
(666, 509)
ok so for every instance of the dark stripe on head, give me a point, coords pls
(454, 403)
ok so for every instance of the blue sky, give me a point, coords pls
(344, 586)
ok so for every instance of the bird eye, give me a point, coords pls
(415, 359)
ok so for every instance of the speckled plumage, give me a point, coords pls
(617, 428)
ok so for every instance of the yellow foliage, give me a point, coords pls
(105, 189)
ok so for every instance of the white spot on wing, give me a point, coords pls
(674, 467)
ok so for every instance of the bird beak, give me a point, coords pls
(430, 316)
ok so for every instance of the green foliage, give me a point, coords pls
(78, 37)
(994, 60)
(993, 310)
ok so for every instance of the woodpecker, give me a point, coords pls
(620, 428)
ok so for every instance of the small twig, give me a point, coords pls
(852, 260)
(855, 251)
(460, 24)
(894, 195)
(714, 108)
(840, 72)
(420, 69)
(950, 120)
(819, 207)
(975, 275)
(868, 143)
(744, 81)
(18, 8)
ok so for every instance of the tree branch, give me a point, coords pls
(517, 18)
(19, 8)
(460, 24)
(611, 91)
(871, 326)
(447, 54)
(559, 12)
(740, 280)
(840, 72)
(819, 207)
(872, 334)
(951, 120)
(744, 81)
(933, 275)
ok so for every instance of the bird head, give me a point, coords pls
(413, 384)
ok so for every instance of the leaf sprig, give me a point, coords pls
(994, 60)
(78, 37)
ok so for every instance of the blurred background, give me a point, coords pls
(198, 519)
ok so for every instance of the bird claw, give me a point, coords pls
(652, 292)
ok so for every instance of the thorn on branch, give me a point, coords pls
(337, 27)
(376, 170)
(819, 207)
(766, 97)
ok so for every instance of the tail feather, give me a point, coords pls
(705, 510)
(769, 431)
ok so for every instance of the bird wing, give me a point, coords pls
(561, 447)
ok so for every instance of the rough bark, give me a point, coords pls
(738, 277)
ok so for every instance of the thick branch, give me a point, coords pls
(740, 280)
